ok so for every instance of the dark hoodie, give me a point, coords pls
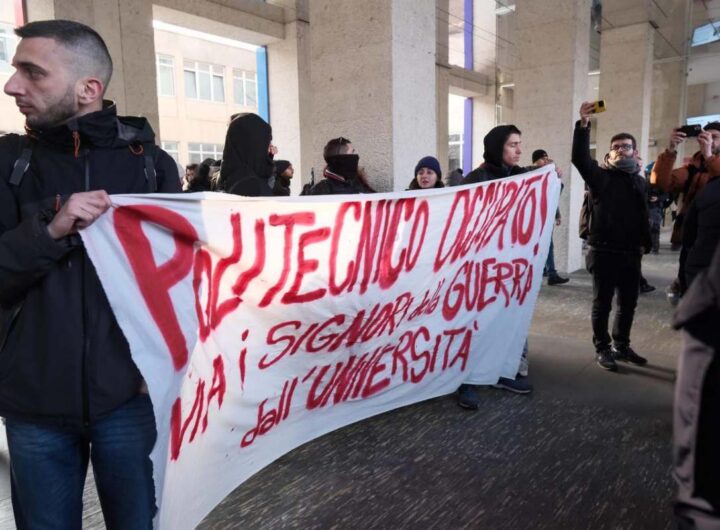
(63, 357)
(282, 183)
(247, 167)
(493, 167)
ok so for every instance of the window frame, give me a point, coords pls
(198, 68)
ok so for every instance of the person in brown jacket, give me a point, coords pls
(688, 179)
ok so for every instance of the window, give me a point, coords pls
(171, 148)
(199, 152)
(7, 47)
(165, 75)
(245, 88)
(204, 81)
(455, 152)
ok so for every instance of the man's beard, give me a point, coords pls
(56, 113)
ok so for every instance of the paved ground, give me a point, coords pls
(588, 449)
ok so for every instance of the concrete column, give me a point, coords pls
(668, 88)
(373, 80)
(291, 100)
(626, 73)
(442, 82)
(126, 27)
(552, 55)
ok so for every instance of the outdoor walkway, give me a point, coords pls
(588, 449)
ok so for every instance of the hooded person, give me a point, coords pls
(342, 174)
(501, 156)
(247, 167)
(283, 175)
(428, 174)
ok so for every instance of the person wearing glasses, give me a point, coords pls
(619, 235)
(342, 175)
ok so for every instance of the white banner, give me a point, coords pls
(260, 324)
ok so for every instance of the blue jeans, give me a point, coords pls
(48, 465)
(550, 263)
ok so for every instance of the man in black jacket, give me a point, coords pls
(69, 389)
(619, 234)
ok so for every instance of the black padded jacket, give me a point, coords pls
(619, 218)
(63, 357)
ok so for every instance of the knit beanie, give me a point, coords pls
(429, 162)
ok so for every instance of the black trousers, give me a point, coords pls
(614, 273)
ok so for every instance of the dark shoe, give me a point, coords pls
(605, 360)
(468, 397)
(647, 288)
(627, 355)
(557, 280)
(519, 385)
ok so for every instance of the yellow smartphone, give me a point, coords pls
(599, 106)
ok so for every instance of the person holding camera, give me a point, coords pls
(688, 179)
(618, 235)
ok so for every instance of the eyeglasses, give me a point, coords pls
(622, 147)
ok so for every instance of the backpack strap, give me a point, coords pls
(22, 163)
(149, 152)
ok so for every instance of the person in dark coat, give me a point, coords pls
(428, 174)
(283, 175)
(342, 175)
(619, 235)
(247, 164)
(501, 157)
(70, 391)
(455, 177)
(701, 234)
(696, 428)
(503, 148)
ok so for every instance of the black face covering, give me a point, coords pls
(344, 165)
(246, 149)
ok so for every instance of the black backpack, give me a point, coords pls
(146, 149)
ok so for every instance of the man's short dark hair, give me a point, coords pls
(191, 167)
(93, 57)
(538, 154)
(336, 146)
(713, 125)
(624, 136)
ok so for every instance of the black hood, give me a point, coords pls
(246, 151)
(281, 166)
(102, 128)
(494, 142)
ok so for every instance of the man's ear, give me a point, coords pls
(89, 90)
